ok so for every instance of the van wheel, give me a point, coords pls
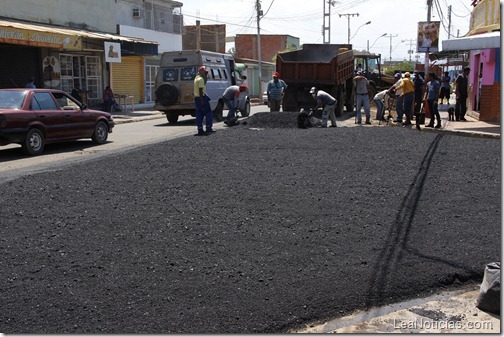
(172, 117)
(167, 94)
(34, 142)
(246, 110)
(217, 113)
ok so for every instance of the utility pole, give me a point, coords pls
(348, 17)
(198, 35)
(326, 27)
(391, 36)
(429, 10)
(449, 20)
(259, 14)
(410, 51)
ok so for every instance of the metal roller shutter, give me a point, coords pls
(127, 77)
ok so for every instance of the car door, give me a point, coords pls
(49, 114)
(78, 123)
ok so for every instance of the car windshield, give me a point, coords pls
(12, 99)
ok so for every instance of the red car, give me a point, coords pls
(35, 117)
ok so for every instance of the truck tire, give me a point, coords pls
(341, 103)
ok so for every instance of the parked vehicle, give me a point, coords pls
(175, 81)
(328, 67)
(35, 117)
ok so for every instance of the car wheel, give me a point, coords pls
(246, 110)
(34, 142)
(100, 133)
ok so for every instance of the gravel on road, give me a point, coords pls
(258, 228)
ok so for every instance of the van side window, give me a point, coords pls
(224, 74)
(218, 75)
(188, 73)
(170, 74)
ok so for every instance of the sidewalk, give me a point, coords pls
(472, 127)
(447, 312)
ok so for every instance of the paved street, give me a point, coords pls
(252, 229)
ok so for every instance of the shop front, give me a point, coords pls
(63, 58)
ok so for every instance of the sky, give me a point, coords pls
(398, 19)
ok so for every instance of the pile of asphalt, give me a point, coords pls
(251, 229)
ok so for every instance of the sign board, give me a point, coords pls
(428, 37)
(39, 39)
(113, 52)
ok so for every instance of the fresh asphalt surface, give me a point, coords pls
(259, 228)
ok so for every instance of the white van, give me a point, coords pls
(175, 83)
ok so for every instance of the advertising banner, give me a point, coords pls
(428, 37)
(113, 52)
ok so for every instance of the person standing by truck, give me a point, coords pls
(202, 102)
(362, 98)
(275, 92)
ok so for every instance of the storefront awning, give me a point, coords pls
(40, 35)
(480, 41)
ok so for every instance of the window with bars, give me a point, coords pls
(150, 82)
(83, 70)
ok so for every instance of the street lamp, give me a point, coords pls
(384, 34)
(367, 23)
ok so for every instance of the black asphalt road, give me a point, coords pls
(247, 230)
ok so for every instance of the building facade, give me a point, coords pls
(159, 21)
(246, 46)
(483, 44)
(64, 43)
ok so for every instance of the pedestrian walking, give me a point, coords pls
(419, 82)
(432, 100)
(230, 96)
(461, 87)
(202, 103)
(407, 88)
(361, 90)
(445, 88)
(328, 103)
(275, 92)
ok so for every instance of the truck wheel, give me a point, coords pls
(172, 117)
(341, 103)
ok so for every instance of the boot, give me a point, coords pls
(367, 120)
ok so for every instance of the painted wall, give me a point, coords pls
(71, 13)
(167, 41)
